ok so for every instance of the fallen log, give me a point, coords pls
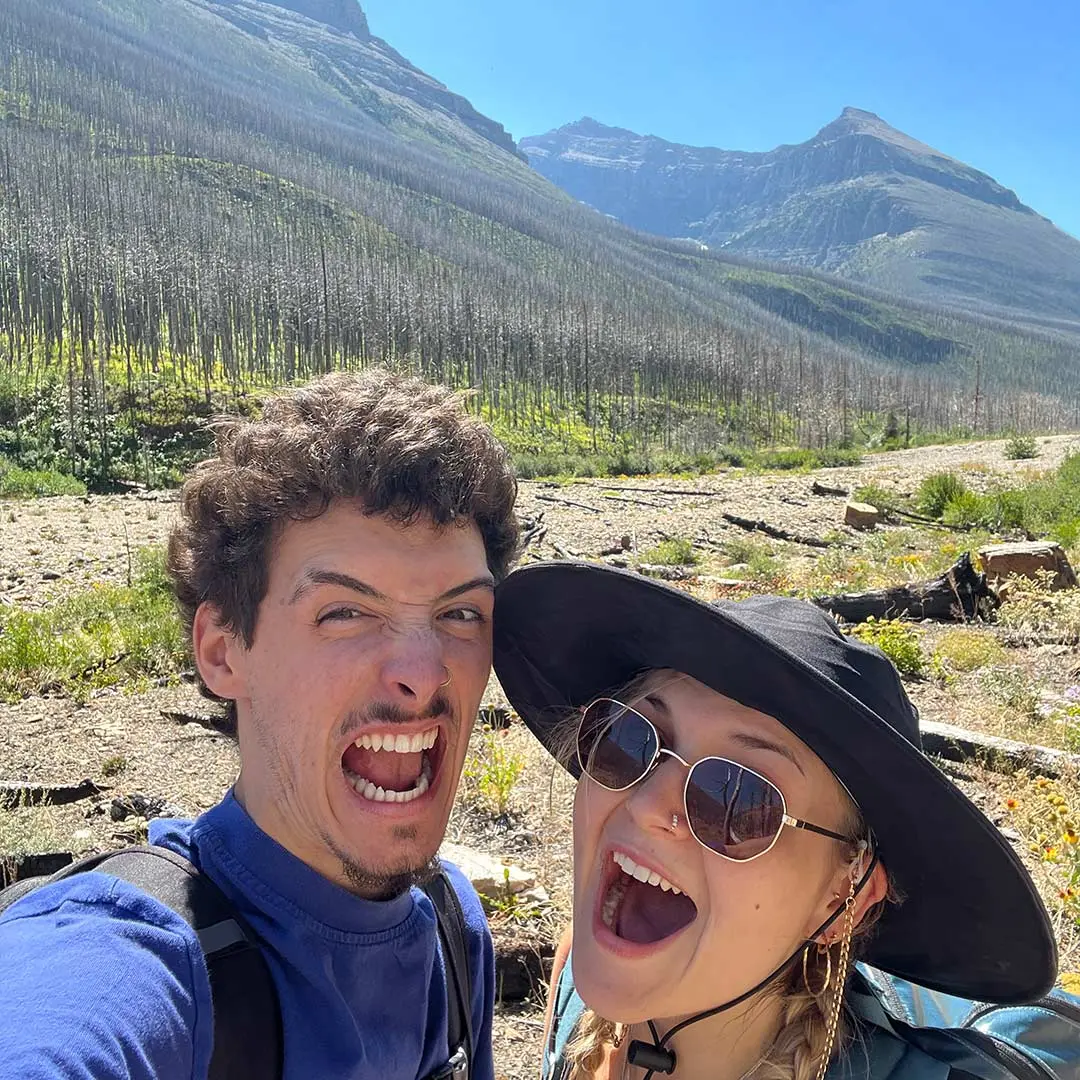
(961, 593)
(20, 867)
(567, 502)
(775, 532)
(636, 502)
(995, 752)
(651, 490)
(17, 793)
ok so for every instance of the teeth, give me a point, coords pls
(375, 793)
(641, 873)
(399, 744)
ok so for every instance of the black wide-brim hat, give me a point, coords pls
(971, 922)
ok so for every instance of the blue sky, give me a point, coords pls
(994, 84)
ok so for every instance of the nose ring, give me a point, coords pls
(674, 822)
(449, 677)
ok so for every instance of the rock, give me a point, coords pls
(861, 515)
(490, 877)
(1026, 559)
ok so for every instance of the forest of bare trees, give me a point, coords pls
(171, 236)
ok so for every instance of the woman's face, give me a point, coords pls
(641, 951)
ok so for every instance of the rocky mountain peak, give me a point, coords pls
(344, 15)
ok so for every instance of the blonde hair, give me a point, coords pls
(803, 1040)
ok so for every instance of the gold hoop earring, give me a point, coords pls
(806, 975)
(449, 677)
(832, 1022)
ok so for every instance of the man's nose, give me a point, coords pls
(413, 669)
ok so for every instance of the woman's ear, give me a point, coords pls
(218, 654)
(872, 893)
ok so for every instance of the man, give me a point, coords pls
(335, 564)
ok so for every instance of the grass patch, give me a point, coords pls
(675, 551)
(962, 650)
(875, 495)
(18, 483)
(1012, 689)
(897, 640)
(28, 830)
(107, 635)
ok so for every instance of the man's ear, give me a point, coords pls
(219, 654)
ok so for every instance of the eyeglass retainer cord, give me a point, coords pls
(659, 1058)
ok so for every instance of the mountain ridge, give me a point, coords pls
(859, 197)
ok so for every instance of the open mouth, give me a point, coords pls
(393, 767)
(640, 905)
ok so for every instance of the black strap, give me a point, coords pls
(459, 1033)
(247, 1016)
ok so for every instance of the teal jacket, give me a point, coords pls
(906, 1032)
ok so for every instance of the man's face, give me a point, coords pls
(357, 697)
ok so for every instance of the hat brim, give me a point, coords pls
(971, 922)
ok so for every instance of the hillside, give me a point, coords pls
(203, 198)
(859, 198)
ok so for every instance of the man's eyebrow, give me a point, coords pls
(485, 581)
(756, 742)
(315, 577)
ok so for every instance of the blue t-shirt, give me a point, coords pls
(99, 980)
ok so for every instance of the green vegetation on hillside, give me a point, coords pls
(179, 237)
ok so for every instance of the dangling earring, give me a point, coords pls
(832, 1022)
(828, 971)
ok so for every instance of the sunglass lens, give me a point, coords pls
(734, 812)
(616, 745)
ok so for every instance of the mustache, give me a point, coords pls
(384, 712)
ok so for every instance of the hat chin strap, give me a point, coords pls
(658, 1057)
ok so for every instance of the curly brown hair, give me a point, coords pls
(404, 448)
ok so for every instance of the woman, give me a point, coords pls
(754, 812)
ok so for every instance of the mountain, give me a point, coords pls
(200, 198)
(859, 198)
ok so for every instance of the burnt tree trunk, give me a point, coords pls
(960, 593)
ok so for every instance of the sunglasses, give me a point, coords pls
(731, 810)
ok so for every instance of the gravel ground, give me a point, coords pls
(158, 744)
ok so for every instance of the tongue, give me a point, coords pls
(648, 914)
(391, 772)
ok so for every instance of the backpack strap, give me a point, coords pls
(247, 1016)
(459, 1033)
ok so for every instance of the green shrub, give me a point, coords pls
(897, 640)
(938, 490)
(493, 770)
(967, 509)
(675, 551)
(1021, 447)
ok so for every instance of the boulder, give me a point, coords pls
(861, 515)
(1026, 559)
(490, 877)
